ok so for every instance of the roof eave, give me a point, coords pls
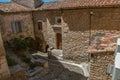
(80, 7)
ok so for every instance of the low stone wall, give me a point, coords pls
(99, 65)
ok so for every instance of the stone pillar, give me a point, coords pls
(4, 70)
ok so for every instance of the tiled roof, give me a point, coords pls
(12, 7)
(80, 3)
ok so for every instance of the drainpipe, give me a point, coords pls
(90, 26)
(61, 12)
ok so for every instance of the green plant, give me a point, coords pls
(10, 61)
(26, 59)
(32, 66)
(20, 44)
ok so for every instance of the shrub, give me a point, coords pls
(10, 61)
(32, 66)
(26, 59)
(20, 44)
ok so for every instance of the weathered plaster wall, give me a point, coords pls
(4, 70)
(7, 28)
(99, 65)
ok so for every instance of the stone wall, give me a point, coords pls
(7, 19)
(105, 28)
(76, 34)
(4, 70)
(47, 35)
(104, 33)
(81, 31)
(99, 65)
(73, 33)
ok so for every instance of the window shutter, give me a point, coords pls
(22, 26)
(13, 27)
(16, 27)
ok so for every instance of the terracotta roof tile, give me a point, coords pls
(79, 3)
(12, 7)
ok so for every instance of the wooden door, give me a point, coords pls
(59, 40)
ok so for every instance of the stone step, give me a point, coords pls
(17, 72)
(35, 71)
(40, 62)
(40, 55)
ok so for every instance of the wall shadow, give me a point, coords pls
(60, 71)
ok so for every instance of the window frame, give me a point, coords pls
(17, 26)
(38, 27)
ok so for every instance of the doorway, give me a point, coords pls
(59, 40)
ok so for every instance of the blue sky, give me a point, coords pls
(9, 0)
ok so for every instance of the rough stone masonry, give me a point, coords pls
(4, 70)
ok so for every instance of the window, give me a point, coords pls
(39, 25)
(17, 27)
(58, 20)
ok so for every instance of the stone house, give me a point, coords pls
(86, 30)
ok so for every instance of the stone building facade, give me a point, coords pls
(81, 31)
(7, 25)
(77, 27)
(72, 37)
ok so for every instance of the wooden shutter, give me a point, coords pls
(16, 27)
(13, 27)
(22, 26)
